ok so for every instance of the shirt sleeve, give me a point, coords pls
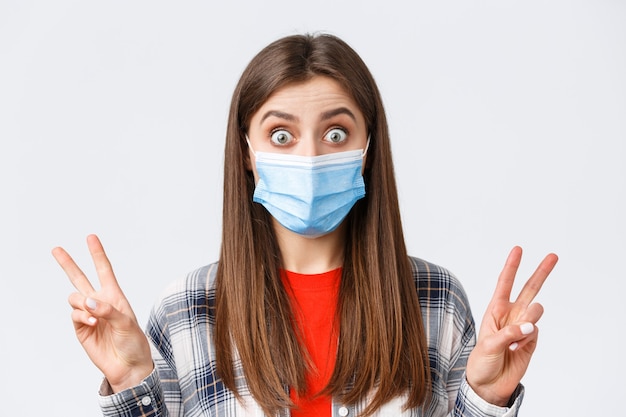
(469, 404)
(145, 399)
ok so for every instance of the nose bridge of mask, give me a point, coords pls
(308, 178)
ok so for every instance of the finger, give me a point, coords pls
(74, 273)
(105, 311)
(524, 327)
(83, 318)
(101, 262)
(77, 300)
(532, 314)
(507, 276)
(530, 341)
(510, 337)
(535, 282)
(82, 309)
(80, 302)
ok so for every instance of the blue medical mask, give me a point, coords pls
(309, 195)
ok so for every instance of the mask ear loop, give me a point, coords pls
(250, 145)
(367, 146)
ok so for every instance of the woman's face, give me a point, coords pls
(311, 118)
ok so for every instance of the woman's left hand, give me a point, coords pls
(508, 335)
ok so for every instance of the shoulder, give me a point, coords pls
(190, 296)
(200, 280)
(438, 287)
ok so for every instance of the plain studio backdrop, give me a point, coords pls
(508, 122)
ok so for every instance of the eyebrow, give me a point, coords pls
(279, 114)
(325, 116)
(341, 110)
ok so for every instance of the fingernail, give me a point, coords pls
(513, 346)
(527, 328)
(91, 320)
(91, 303)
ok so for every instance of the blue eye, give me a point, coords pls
(281, 137)
(336, 135)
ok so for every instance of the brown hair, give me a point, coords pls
(382, 347)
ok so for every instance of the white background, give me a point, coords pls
(508, 121)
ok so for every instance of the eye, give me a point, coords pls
(281, 137)
(336, 135)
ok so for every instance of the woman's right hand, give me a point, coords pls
(104, 321)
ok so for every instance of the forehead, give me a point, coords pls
(315, 94)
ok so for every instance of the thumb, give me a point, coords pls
(102, 310)
(510, 337)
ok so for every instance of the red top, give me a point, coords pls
(314, 301)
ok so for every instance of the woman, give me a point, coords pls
(314, 308)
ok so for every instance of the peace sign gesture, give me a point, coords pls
(508, 335)
(104, 321)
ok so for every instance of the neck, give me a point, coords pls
(310, 255)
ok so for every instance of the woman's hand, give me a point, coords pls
(508, 335)
(104, 321)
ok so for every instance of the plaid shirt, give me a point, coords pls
(184, 382)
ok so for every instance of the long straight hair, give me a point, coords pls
(382, 349)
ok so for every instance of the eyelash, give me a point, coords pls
(346, 131)
(279, 128)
